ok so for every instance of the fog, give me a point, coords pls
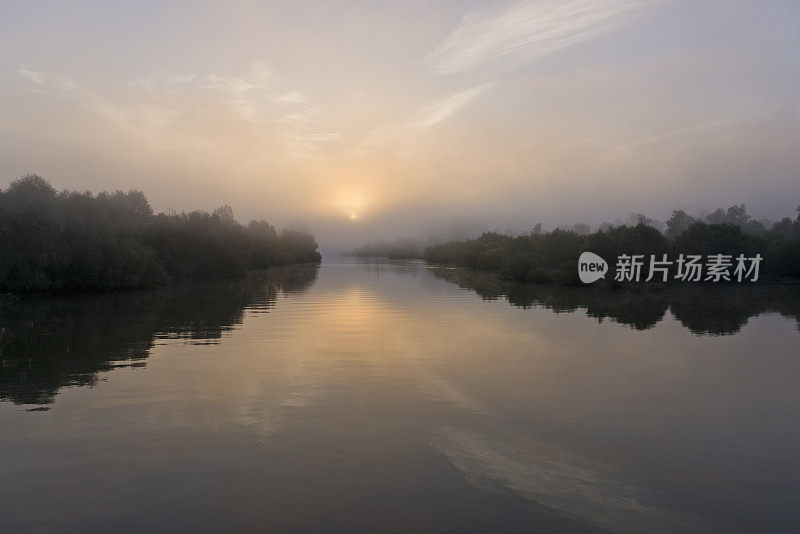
(380, 121)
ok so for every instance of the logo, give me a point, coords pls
(591, 267)
(687, 268)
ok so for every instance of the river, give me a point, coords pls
(390, 396)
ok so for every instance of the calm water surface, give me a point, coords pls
(364, 397)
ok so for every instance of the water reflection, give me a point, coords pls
(705, 310)
(46, 344)
(49, 343)
(385, 397)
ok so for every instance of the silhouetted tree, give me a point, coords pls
(581, 228)
(678, 223)
(76, 240)
(553, 256)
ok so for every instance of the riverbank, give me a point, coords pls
(78, 241)
(553, 257)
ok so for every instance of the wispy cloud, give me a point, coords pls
(291, 98)
(254, 95)
(442, 110)
(43, 82)
(167, 103)
(527, 30)
(258, 79)
(405, 132)
(660, 138)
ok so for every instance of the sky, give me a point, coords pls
(383, 119)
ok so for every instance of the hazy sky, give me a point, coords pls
(368, 119)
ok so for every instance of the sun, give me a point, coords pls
(349, 205)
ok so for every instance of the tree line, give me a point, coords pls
(552, 256)
(72, 240)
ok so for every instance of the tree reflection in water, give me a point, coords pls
(710, 309)
(49, 343)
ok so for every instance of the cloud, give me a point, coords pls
(291, 98)
(255, 96)
(659, 138)
(48, 83)
(178, 80)
(35, 77)
(190, 108)
(528, 30)
(404, 136)
(444, 109)
(325, 136)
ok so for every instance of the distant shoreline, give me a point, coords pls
(552, 257)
